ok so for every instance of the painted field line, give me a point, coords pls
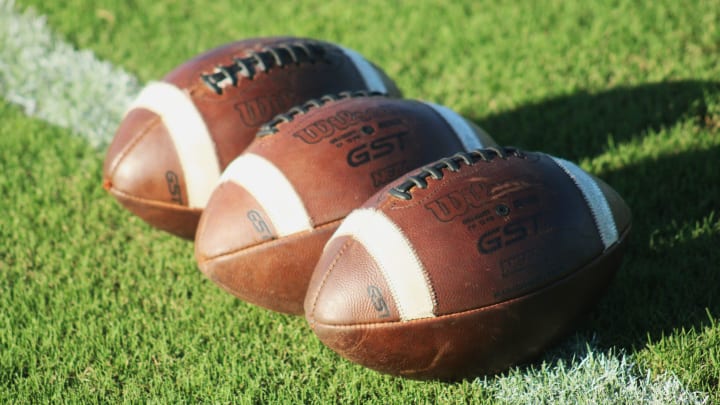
(57, 83)
(577, 372)
(71, 88)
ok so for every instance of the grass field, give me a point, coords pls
(96, 306)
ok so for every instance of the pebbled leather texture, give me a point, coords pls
(512, 254)
(273, 275)
(335, 156)
(232, 119)
(344, 303)
(477, 342)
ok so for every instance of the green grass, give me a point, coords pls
(95, 306)
(99, 307)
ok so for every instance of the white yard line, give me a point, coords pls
(72, 89)
(57, 83)
(577, 372)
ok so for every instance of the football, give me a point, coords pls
(181, 132)
(276, 205)
(467, 266)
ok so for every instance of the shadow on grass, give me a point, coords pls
(670, 276)
(669, 279)
(578, 125)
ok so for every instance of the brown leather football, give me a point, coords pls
(181, 132)
(276, 205)
(468, 266)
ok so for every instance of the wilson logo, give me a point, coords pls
(476, 195)
(256, 112)
(456, 203)
(342, 120)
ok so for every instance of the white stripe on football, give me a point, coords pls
(396, 258)
(596, 201)
(272, 190)
(195, 148)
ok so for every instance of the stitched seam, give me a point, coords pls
(454, 163)
(241, 249)
(267, 59)
(340, 253)
(135, 140)
(154, 203)
(271, 127)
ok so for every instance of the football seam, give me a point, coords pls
(132, 144)
(410, 302)
(340, 253)
(296, 112)
(392, 202)
(152, 203)
(610, 249)
(205, 259)
(272, 189)
(392, 285)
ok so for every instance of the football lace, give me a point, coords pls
(271, 126)
(270, 57)
(453, 164)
